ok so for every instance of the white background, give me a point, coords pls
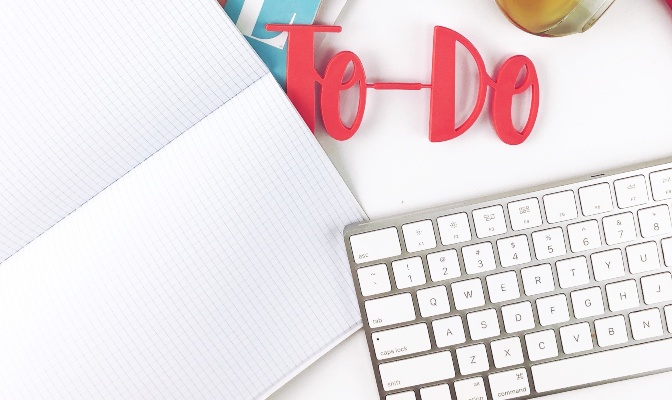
(606, 101)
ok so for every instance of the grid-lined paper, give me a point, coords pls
(199, 251)
(89, 89)
(210, 271)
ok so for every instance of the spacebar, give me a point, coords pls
(603, 366)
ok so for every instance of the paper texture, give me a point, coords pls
(89, 90)
(213, 269)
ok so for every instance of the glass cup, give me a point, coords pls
(554, 17)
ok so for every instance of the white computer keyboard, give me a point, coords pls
(522, 295)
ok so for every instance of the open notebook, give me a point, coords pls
(170, 227)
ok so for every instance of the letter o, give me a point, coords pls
(332, 85)
(502, 102)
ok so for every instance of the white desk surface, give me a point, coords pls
(606, 101)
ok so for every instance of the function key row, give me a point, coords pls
(558, 207)
(523, 214)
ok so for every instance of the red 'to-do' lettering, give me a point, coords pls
(302, 78)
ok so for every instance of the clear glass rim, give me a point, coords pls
(580, 19)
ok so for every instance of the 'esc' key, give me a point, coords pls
(376, 245)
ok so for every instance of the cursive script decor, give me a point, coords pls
(302, 78)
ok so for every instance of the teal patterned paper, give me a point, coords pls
(251, 17)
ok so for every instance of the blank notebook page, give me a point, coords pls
(90, 89)
(212, 270)
(199, 252)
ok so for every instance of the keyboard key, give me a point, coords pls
(470, 389)
(419, 236)
(552, 310)
(483, 324)
(443, 265)
(401, 341)
(513, 251)
(503, 287)
(590, 369)
(643, 257)
(510, 384)
(449, 331)
(581, 270)
(619, 228)
(560, 206)
(549, 243)
(537, 280)
(584, 236)
(507, 352)
(454, 228)
(468, 294)
(524, 214)
(646, 324)
(438, 392)
(576, 338)
(472, 359)
(376, 245)
(541, 345)
(373, 280)
(433, 301)
(408, 272)
(611, 331)
(622, 295)
(661, 184)
(518, 317)
(607, 265)
(417, 371)
(587, 303)
(572, 272)
(478, 258)
(657, 288)
(596, 199)
(401, 396)
(389, 310)
(667, 251)
(631, 191)
(489, 221)
(655, 221)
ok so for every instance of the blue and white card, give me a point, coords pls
(251, 17)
